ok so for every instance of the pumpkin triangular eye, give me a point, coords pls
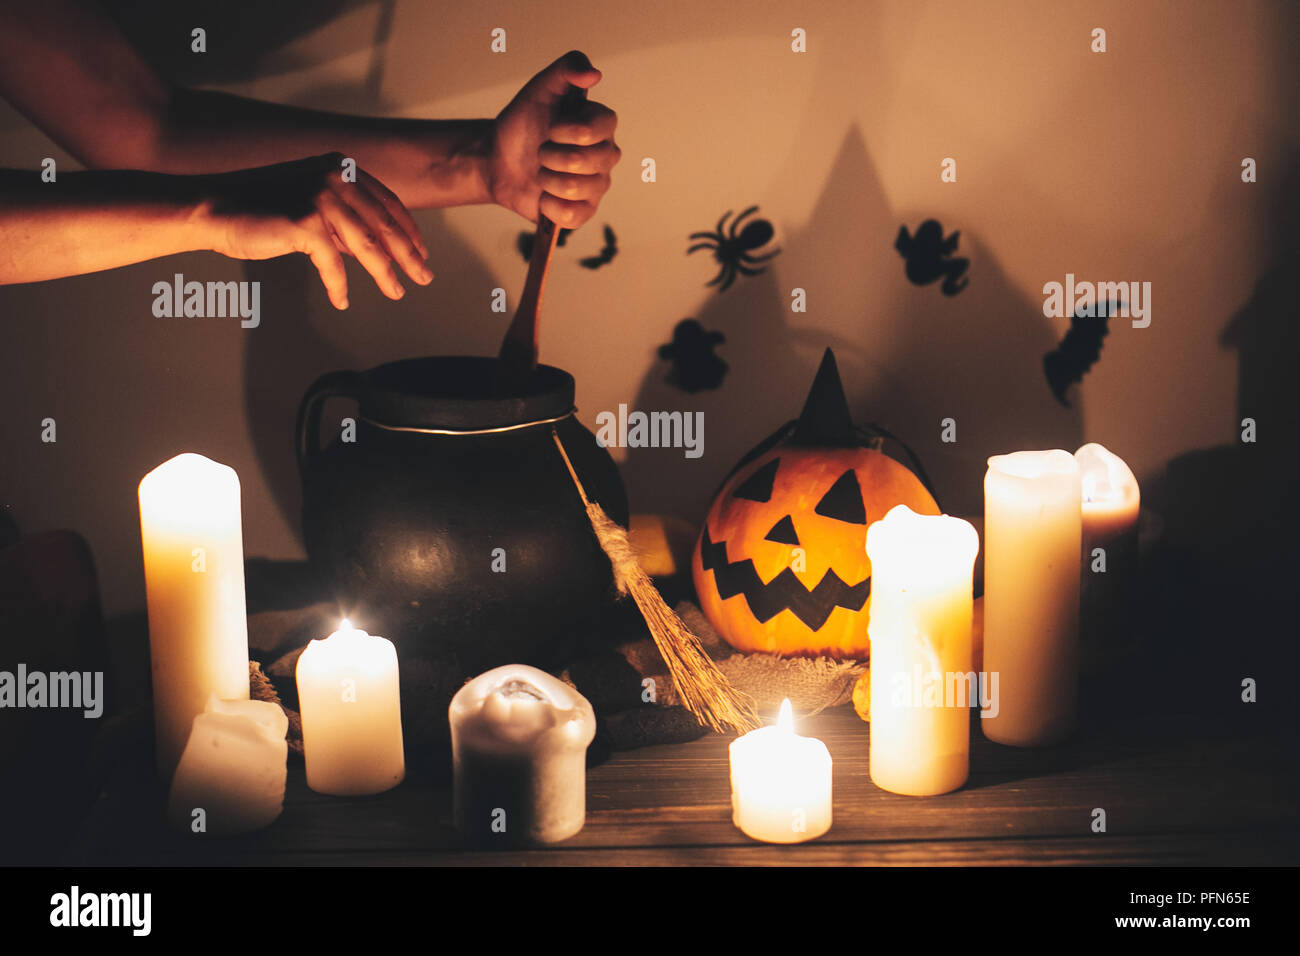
(758, 486)
(844, 501)
(783, 532)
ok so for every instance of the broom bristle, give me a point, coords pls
(704, 690)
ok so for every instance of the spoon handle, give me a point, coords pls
(518, 355)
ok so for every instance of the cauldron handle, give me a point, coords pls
(307, 437)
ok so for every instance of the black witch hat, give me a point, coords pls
(825, 419)
(826, 422)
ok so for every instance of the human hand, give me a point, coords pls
(556, 164)
(305, 206)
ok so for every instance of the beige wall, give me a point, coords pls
(1118, 166)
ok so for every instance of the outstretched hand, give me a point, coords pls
(306, 206)
(557, 164)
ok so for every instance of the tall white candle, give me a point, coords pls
(1032, 540)
(922, 679)
(194, 584)
(519, 741)
(350, 702)
(780, 783)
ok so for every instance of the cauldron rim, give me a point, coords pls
(459, 392)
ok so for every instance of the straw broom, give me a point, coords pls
(703, 689)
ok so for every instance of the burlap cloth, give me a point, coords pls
(811, 683)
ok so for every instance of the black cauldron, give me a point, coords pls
(448, 522)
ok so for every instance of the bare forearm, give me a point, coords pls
(66, 65)
(428, 163)
(86, 222)
(101, 219)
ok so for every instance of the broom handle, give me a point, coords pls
(569, 465)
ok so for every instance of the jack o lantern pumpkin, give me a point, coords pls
(781, 563)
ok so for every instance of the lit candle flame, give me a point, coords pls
(785, 719)
(345, 626)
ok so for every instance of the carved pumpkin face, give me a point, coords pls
(781, 565)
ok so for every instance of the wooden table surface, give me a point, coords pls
(1176, 790)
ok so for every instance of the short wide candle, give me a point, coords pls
(231, 777)
(780, 783)
(348, 693)
(1032, 542)
(519, 742)
(194, 585)
(922, 681)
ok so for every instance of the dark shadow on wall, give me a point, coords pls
(242, 35)
(771, 367)
(1229, 561)
(976, 357)
(290, 351)
(1226, 572)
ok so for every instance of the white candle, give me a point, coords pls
(1109, 492)
(231, 776)
(519, 741)
(922, 678)
(1032, 540)
(349, 698)
(780, 783)
(1111, 502)
(194, 584)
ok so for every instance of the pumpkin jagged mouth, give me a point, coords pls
(785, 592)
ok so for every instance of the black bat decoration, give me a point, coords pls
(1078, 351)
(606, 254)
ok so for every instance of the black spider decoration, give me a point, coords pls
(606, 254)
(525, 242)
(1079, 350)
(732, 249)
(694, 367)
(927, 255)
